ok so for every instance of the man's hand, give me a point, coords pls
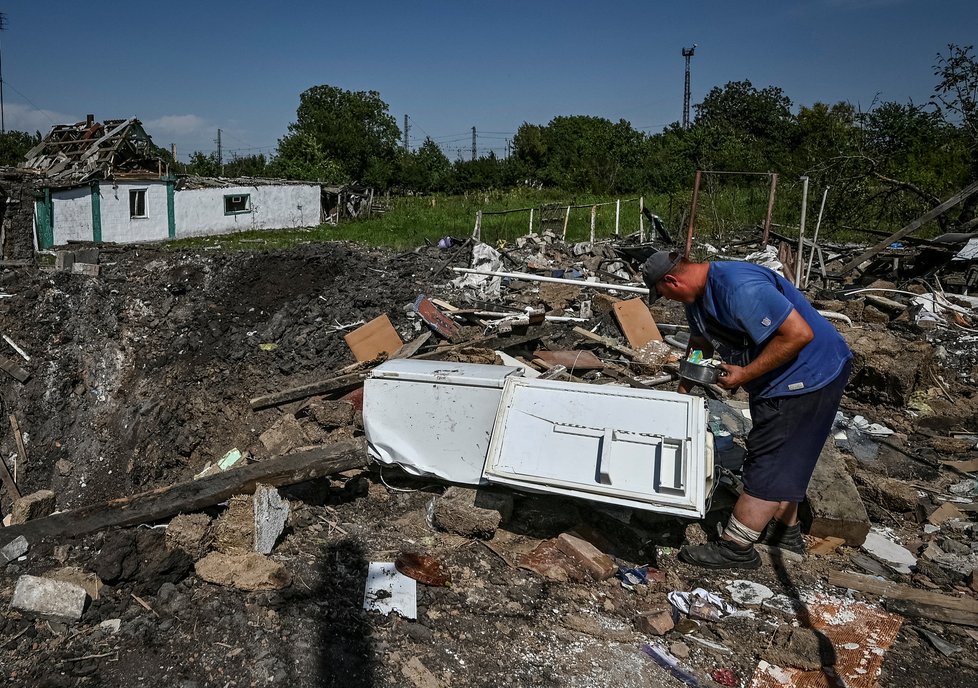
(732, 376)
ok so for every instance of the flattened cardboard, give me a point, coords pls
(376, 337)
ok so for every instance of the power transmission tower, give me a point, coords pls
(473, 143)
(406, 146)
(220, 156)
(687, 53)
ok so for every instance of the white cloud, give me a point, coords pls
(175, 125)
(20, 117)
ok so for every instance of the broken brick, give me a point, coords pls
(657, 621)
(597, 564)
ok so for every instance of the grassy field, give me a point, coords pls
(412, 221)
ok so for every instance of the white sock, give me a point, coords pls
(740, 533)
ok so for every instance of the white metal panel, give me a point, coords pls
(433, 417)
(639, 448)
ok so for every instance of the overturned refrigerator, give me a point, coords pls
(489, 425)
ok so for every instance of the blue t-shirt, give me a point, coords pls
(742, 307)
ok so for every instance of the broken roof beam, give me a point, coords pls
(910, 228)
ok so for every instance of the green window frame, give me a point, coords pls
(237, 204)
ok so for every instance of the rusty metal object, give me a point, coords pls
(423, 569)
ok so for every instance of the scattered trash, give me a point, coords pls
(701, 604)
(670, 663)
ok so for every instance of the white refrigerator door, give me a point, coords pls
(631, 447)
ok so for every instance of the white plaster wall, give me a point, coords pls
(72, 211)
(201, 211)
(118, 226)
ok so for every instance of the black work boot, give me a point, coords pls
(777, 534)
(722, 554)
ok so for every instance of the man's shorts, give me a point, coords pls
(786, 439)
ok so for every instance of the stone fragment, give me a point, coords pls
(271, 514)
(597, 564)
(330, 414)
(247, 571)
(945, 512)
(190, 533)
(283, 437)
(656, 621)
(64, 467)
(13, 549)
(679, 649)
(48, 598)
(891, 494)
(795, 647)
(86, 580)
(111, 626)
(36, 505)
(886, 369)
(89, 269)
(459, 511)
(833, 507)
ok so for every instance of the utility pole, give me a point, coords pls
(220, 157)
(406, 146)
(473, 143)
(3, 27)
(687, 53)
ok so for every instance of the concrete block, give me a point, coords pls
(13, 549)
(49, 598)
(834, 508)
(86, 255)
(36, 505)
(657, 621)
(89, 269)
(597, 564)
(271, 515)
(63, 260)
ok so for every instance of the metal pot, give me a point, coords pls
(704, 374)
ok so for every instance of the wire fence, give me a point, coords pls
(569, 222)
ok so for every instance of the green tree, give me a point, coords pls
(426, 169)
(246, 166)
(957, 95)
(203, 165)
(301, 156)
(14, 146)
(352, 130)
(743, 128)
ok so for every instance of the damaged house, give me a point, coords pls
(104, 181)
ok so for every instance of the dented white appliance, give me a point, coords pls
(478, 424)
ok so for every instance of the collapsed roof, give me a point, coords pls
(75, 153)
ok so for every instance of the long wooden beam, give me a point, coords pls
(912, 227)
(333, 385)
(194, 495)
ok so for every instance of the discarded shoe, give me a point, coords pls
(777, 534)
(722, 554)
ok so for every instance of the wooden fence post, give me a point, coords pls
(566, 220)
(594, 217)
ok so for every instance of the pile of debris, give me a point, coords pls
(241, 468)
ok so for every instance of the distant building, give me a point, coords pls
(105, 182)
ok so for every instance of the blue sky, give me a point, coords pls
(188, 68)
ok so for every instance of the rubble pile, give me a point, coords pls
(191, 501)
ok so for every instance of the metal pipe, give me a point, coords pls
(801, 231)
(555, 280)
(818, 225)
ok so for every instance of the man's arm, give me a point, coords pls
(704, 345)
(786, 342)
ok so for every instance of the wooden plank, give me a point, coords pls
(929, 611)
(8, 481)
(19, 440)
(895, 591)
(334, 385)
(910, 228)
(411, 348)
(636, 322)
(377, 337)
(14, 370)
(572, 360)
(194, 495)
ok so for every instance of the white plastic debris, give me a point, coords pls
(898, 557)
(388, 590)
(748, 592)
